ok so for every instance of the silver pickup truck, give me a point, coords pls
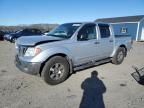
(70, 47)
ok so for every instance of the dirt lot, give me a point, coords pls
(113, 88)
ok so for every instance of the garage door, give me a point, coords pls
(142, 35)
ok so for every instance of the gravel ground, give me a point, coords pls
(112, 88)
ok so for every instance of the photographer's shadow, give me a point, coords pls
(93, 92)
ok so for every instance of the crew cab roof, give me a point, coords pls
(87, 23)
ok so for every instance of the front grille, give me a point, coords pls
(21, 50)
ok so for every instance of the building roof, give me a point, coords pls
(121, 19)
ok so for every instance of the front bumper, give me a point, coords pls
(27, 67)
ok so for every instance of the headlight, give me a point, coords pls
(6, 36)
(32, 51)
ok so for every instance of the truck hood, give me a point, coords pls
(35, 40)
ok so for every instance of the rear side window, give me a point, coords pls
(104, 30)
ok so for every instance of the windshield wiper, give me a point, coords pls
(51, 35)
(60, 36)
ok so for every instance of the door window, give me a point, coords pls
(104, 30)
(87, 32)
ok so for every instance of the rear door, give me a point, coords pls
(25, 32)
(106, 42)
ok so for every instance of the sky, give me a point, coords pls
(15, 12)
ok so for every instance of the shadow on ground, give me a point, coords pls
(93, 90)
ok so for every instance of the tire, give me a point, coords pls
(56, 70)
(119, 56)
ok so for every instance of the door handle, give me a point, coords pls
(97, 43)
(110, 40)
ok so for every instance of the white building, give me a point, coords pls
(127, 26)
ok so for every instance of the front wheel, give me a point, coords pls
(13, 40)
(119, 56)
(56, 70)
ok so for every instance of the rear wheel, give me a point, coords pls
(56, 70)
(119, 56)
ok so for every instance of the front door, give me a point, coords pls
(87, 48)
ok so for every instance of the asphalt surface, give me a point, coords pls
(103, 86)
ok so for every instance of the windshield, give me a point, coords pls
(64, 30)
